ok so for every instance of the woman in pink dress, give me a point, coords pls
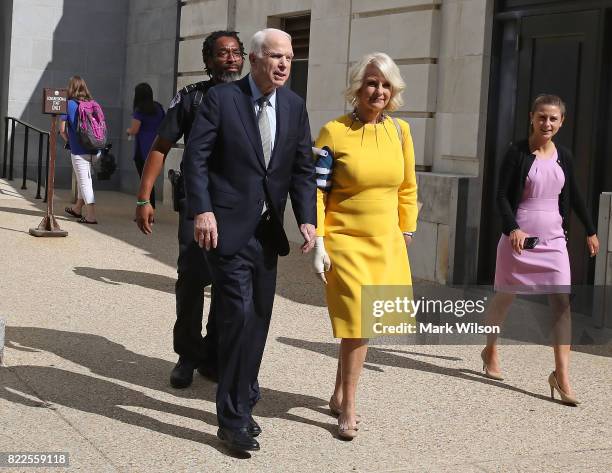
(536, 190)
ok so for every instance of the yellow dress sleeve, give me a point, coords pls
(407, 192)
(325, 139)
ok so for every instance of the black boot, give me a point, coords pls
(182, 373)
(238, 439)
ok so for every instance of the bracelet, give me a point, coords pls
(410, 234)
(140, 203)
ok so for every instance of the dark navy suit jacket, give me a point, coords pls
(225, 171)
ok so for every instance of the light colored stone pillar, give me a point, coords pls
(602, 304)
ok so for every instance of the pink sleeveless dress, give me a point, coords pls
(546, 268)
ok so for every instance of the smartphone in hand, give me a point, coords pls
(530, 243)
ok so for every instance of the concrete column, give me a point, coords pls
(602, 305)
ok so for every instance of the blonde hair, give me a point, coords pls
(388, 69)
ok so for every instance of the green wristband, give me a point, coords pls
(140, 203)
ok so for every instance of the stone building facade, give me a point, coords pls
(441, 48)
(468, 66)
(112, 44)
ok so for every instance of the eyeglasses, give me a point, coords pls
(226, 53)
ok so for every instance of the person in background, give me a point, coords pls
(147, 115)
(223, 57)
(536, 191)
(366, 214)
(80, 157)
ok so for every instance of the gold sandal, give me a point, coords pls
(347, 433)
(336, 410)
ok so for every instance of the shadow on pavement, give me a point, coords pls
(113, 361)
(296, 280)
(116, 277)
(98, 396)
(13, 230)
(33, 213)
(385, 357)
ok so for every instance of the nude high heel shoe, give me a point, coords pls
(565, 398)
(485, 368)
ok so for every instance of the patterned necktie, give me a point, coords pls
(264, 129)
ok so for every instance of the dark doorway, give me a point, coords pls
(545, 47)
(299, 29)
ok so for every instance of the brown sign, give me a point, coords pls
(55, 101)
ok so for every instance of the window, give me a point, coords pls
(299, 29)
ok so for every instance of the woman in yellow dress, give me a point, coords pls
(367, 213)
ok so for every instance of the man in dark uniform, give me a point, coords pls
(223, 56)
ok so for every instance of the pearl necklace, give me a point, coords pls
(381, 118)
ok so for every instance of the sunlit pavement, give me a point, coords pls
(89, 351)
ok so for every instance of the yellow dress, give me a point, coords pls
(372, 200)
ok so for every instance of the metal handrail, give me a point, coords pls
(10, 158)
(29, 125)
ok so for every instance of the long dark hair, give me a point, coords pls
(77, 89)
(143, 99)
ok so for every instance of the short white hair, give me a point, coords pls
(388, 69)
(259, 39)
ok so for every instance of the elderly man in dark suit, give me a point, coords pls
(249, 147)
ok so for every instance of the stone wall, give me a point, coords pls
(442, 49)
(437, 251)
(407, 30)
(461, 116)
(113, 45)
(198, 18)
(603, 266)
(52, 40)
(150, 57)
(6, 16)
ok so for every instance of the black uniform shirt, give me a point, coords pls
(182, 111)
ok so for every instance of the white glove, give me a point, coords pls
(321, 261)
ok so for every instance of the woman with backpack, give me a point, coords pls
(146, 117)
(81, 157)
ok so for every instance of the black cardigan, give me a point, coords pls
(511, 184)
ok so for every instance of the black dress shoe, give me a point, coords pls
(208, 372)
(253, 427)
(238, 439)
(182, 373)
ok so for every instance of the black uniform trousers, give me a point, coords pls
(193, 277)
(244, 294)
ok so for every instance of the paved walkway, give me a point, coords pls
(89, 353)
